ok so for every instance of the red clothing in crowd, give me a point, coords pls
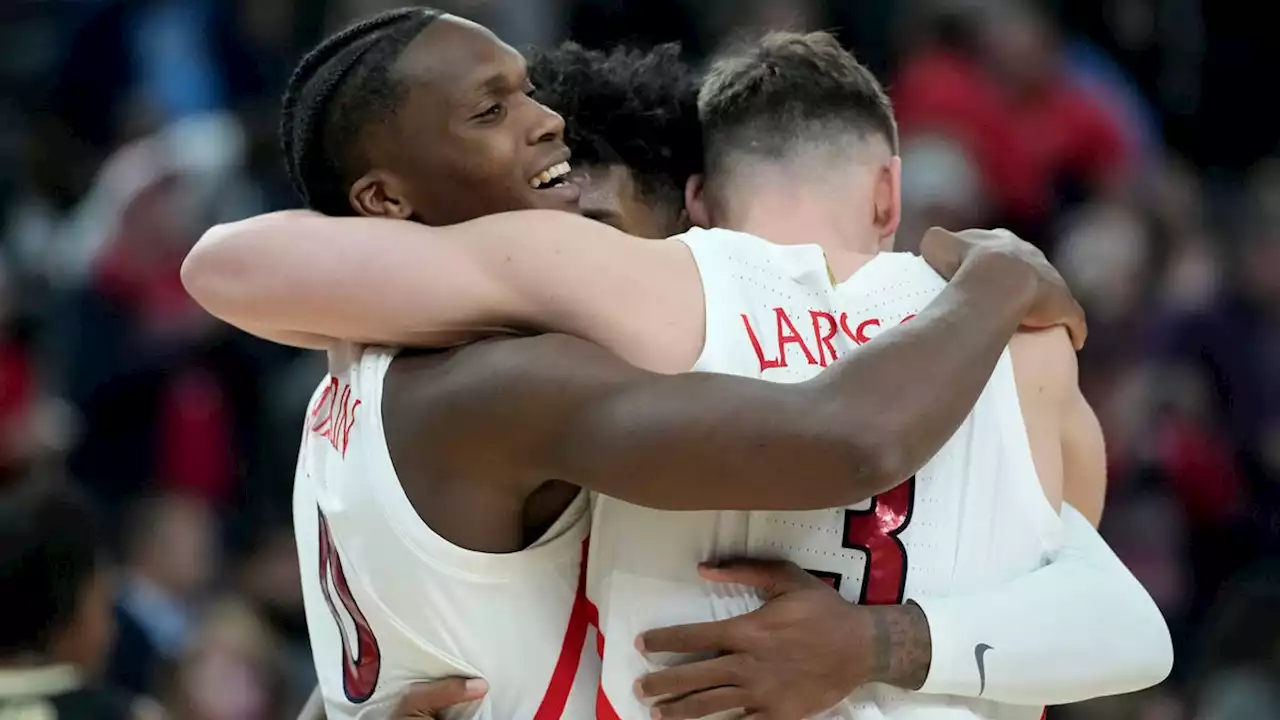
(1023, 147)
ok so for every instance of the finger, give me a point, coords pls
(1072, 318)
(940, 249)
(423, 699)
(697, 705)
(771, 577)
(684, 679)
(697, 637)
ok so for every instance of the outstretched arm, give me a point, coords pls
(553, 406)
(299, 277)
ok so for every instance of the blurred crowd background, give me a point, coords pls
(1138, 141)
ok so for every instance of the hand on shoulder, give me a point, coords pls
(1053, 304)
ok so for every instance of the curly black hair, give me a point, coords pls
(633, 107)
(338, 89)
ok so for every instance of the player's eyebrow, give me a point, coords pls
(505, 79)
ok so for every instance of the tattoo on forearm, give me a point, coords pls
(902, 646)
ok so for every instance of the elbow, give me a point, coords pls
(880, 449)
(218, 276)
(208, 273)
(879, 460)
(1149, 647)
(880, 468)
(1158, 661)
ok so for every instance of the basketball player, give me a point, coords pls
(633, 468)
(631, 120)
(58, 624)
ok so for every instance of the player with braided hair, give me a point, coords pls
(337, 89)
(358, 105)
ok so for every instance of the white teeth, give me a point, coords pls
(546, 176)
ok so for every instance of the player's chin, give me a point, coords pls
(557, 197)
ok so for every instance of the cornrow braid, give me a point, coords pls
(337, 90)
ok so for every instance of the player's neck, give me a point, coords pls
(803, 217)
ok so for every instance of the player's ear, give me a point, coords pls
(888, 198)
(695, 201)
(378, 194)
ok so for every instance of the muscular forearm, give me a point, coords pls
(707, 441)
(1078, 628)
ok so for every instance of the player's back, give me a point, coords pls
(975, 515)
(390, 602)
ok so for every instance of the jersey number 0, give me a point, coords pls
(359, 668)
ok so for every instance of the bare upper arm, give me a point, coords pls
(378, 281)
(1084, 459)
(1066, 439)
(1044, 364)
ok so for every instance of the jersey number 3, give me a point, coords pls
(875, 531)
(359, 669)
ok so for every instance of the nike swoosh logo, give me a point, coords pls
(979, 651)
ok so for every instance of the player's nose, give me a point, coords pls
(547, 127)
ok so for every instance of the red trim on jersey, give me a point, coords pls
(575, 638)
(604, 708)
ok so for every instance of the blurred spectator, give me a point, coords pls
(1239, 671)
(231, 671)
(267, 577)
(941, 186)
(995, 81)
(169, 561)
(58, 624)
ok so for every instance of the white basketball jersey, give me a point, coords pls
(389, 602)
(973, 517)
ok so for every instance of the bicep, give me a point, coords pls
(1066, 438)
(558, 407)
(640, 299)
(1084, 459)
(377, 281)
(366, 280)
(1044, 365)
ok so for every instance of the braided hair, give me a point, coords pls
(337, 90)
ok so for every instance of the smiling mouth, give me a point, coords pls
(554, 176)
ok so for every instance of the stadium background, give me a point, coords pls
(1136, 140)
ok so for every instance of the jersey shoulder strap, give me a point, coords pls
(741, 274)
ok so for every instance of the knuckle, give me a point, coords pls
(650, 684)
